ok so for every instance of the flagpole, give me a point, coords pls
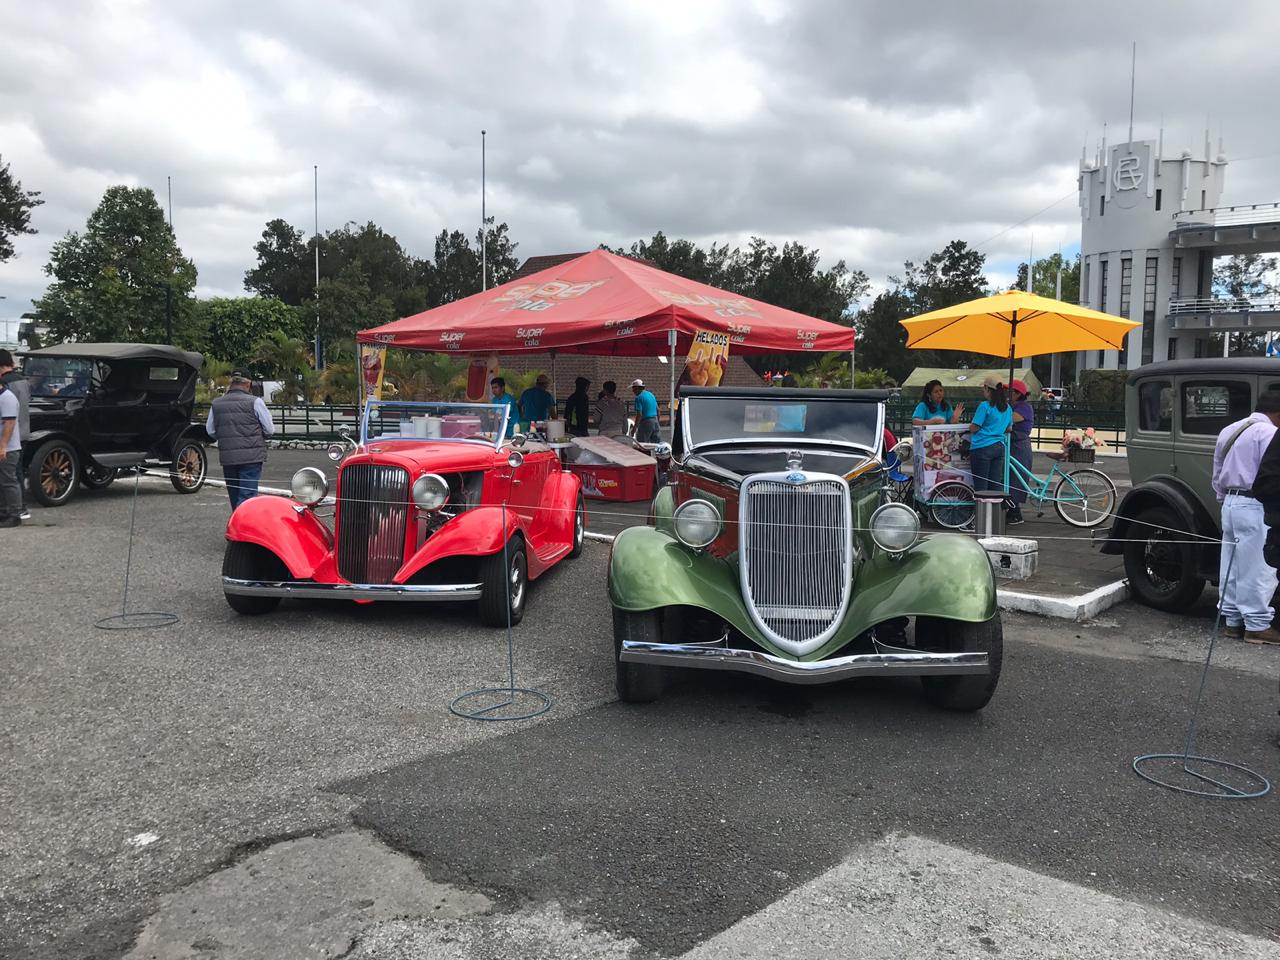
(484, 223)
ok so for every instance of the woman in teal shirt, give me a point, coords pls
(933, 406)
(991, 421)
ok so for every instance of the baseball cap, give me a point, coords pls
(1020, 386)
(637, 382)
(991, 381)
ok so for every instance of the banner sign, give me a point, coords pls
(373, 361)
(479, 372)
(707, 361)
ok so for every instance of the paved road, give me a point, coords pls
(154, 774)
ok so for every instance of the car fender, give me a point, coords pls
(1174, 495)
(560, 497)
(38, 437)
(292, 533)
(944, 575)
(476, 533)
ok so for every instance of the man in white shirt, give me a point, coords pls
(1245, 582)
(10, 459)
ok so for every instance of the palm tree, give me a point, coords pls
(288, 361)
(425, 376)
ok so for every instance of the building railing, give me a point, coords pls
(1201, 305)
(1227, 216)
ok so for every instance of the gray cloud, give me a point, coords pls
(876, 131)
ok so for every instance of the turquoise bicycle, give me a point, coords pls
(1083, 498)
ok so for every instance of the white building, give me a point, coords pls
(1150, 230)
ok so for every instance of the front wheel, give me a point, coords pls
(963, 692)
(1084, 498)
(1160, 561)
(504, 580)
(53, 473)
(190, 466)
(637, 682)
(249, 561)
(952, 504)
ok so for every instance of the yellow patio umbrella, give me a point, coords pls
(1017, 324)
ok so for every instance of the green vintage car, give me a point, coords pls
(774, 551)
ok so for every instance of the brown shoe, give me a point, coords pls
(1270, 636)
(1233, 631)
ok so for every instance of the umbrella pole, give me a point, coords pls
(1013, 342)
(671, 337)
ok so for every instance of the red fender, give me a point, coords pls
(554, 525)
(475, 533)
(295, 536)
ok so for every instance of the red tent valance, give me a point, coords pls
(604, 304)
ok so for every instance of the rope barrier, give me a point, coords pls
(139, 619)
(1194, 538)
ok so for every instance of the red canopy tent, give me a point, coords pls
(604, 304)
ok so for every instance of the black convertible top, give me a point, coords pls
(120, 351)
(783, 393)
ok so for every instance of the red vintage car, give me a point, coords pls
(435, 502)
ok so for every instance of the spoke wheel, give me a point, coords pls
(1160, 561)
(952, 504)
(54, 473)
(579, 527)
(1091, 500)
(189, 467)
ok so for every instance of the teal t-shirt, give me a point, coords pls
(921, 411)
(535, 404)
(646, 405)
(992, 425)
(513, 416)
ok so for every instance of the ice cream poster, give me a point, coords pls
(373, 362)
(937, 457)
(707, 361)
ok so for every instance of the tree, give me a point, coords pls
(1245, 276)
(500, 253)
(111, 282)
(881, 339)
(16, 205)
(231, 327)
(349, 305)
(286, 267)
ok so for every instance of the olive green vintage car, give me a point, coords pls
(774, 551)
(1168, 526)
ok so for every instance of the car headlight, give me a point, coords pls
(336, 451)
(309, 486)
(895, 527)
(430, 492)
(697, 523)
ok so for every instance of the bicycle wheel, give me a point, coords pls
(952, 504)
(1084, 498)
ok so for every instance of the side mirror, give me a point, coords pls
(518, 440)
(515, 459)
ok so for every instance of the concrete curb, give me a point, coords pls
(1077, 608)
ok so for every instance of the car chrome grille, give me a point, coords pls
(795, 550)
(373, 512)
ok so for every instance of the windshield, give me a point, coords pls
(712, 419)
(462, 422)
(63, 376)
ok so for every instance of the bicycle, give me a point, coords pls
(1083, 498)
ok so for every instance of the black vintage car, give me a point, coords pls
(99, 407)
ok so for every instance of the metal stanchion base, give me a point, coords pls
(141, 620)
(500, 703)
(1255, 786)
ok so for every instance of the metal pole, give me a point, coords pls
(671, 417)
(315, 169)
(484, 222)
(1055, 362)
(168, 284)
(1133, 72)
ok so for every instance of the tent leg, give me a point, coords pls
(671, 422)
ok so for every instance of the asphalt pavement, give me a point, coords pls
(235, 766)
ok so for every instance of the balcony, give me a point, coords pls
(1208, 313)
(1255, 226)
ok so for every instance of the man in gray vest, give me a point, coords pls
(241, 423)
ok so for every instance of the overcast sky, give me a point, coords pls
(875, 131)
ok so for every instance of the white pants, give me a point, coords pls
(1245, 594)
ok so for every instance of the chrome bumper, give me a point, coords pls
(707, 657)
(351, 591)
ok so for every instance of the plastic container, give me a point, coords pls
(555, 430)
(433, 427)
(615, 482)
(989, 515)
